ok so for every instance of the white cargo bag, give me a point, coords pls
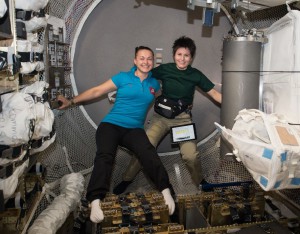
(24, 117)
(16, 119)
(35, 23)
(281, 66)
(31, 5)
(3, 8)
(44, 117)
(9, 185)
(268, 147)
(54, 216)
(32, 47)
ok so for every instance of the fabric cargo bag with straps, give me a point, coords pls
(267, 146)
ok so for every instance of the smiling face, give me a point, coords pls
(144, 61)
(182, 58)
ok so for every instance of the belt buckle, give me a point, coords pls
(35, 57)
(39, 57)
(35, 144)
(38, 14)
(37, 98)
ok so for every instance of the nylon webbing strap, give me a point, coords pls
(27, 15)
(23, 15)
(10, 152)
(42, 99)
(35, 144)
(15, 202)
(10, 58)
(31, 56)
(8, 169)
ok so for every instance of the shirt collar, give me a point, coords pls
(133, 69)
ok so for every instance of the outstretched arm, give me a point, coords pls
(215, 95)
(88, 95)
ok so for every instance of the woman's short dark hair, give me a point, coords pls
(184, 42)
(137, 49)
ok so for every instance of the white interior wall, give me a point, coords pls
(113, 29)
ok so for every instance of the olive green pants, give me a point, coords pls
(157, 129)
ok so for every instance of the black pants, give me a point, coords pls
(108, 138)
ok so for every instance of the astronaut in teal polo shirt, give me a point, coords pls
(124, 126)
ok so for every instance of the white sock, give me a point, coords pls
(96, 215)
(169, 200)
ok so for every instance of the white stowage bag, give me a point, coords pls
(268, 147)
(4, 161)
(22, 118)
(28, 67)
(53, 217)
(31, 5)
(44, 120)
(16, 118)
(3, 8)
(281, 63)
(45, 145)
(35, 23)
(43, 113)
(30, 46)
(9, 185)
